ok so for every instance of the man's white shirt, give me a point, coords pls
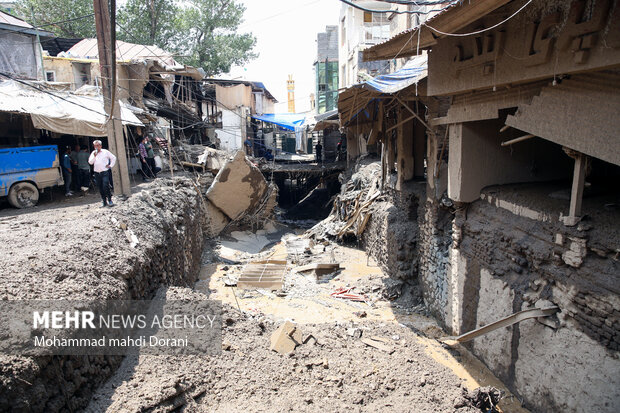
(101, 160)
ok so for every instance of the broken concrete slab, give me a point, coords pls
(212, 159)
(238, 187)
(286, 338)
(217, 219)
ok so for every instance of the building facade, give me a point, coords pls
(326, 70)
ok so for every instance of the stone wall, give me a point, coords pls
(435, 226)
(169, 222)
(391, 236)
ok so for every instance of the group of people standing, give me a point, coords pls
(76, 170)
(76, 166)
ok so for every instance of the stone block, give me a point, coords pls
(286, 338)
(238, 187)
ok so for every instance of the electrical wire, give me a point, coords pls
(50, 93)
(395, 11)
(25, 30)
(479, 31)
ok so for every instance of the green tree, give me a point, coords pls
(148, 22)
(64, 18)
(207, 35)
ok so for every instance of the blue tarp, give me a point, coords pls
(288, 121)
(413, 71)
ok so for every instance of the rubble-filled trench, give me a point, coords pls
(159, 241)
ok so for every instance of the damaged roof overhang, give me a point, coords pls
(256, 86)
(412, 41)
(360, 101)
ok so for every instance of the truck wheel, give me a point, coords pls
(23, 195)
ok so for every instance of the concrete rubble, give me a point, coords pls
(239, 191)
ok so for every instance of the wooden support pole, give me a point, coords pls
(430, 130)
(576, 196)
(116, 140)
(400, 123)
(519, 139)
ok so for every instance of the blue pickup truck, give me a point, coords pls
(26, 171)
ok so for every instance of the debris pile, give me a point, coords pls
(352, 208)
(239, 194)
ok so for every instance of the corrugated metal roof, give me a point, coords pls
(87, 48)
(13, 21)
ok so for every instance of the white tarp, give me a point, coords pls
(61, 112)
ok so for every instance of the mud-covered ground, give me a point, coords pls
(335, 371)
(74, 249)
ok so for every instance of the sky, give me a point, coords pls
(285, 32)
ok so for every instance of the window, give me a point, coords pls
(343, 35)
(322, 88)
(50, 75)
(376, 27)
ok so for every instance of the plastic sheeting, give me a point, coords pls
(60, 112)
(289, 121)
(412, 72)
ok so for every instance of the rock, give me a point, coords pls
(354, 332)
(286, 338)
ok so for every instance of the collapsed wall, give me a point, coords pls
(508, 252)
(383, 221)
(84, 253)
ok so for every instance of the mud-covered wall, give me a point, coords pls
(500, 257)
(169, 223)
(391, 236)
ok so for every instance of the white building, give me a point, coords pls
(361, 29)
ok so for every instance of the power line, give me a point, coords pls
(479, 31)
(396, 11)
(50, 93)
(25, 30)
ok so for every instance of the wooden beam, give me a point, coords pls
(576, 195)
(400, 123)
(519, 139)
(415, 114)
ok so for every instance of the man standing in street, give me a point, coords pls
(103, 161)
(67, 170)
(150, 158)
(319, 152)
(146, 173)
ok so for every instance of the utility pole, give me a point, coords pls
(106, 42)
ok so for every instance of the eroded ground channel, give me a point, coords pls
(368, 341)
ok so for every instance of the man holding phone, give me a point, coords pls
(102, 160)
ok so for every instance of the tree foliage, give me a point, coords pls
(208, 38)
(204, 33)
(61, 17)
(148, 22)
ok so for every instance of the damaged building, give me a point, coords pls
(521, 202)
